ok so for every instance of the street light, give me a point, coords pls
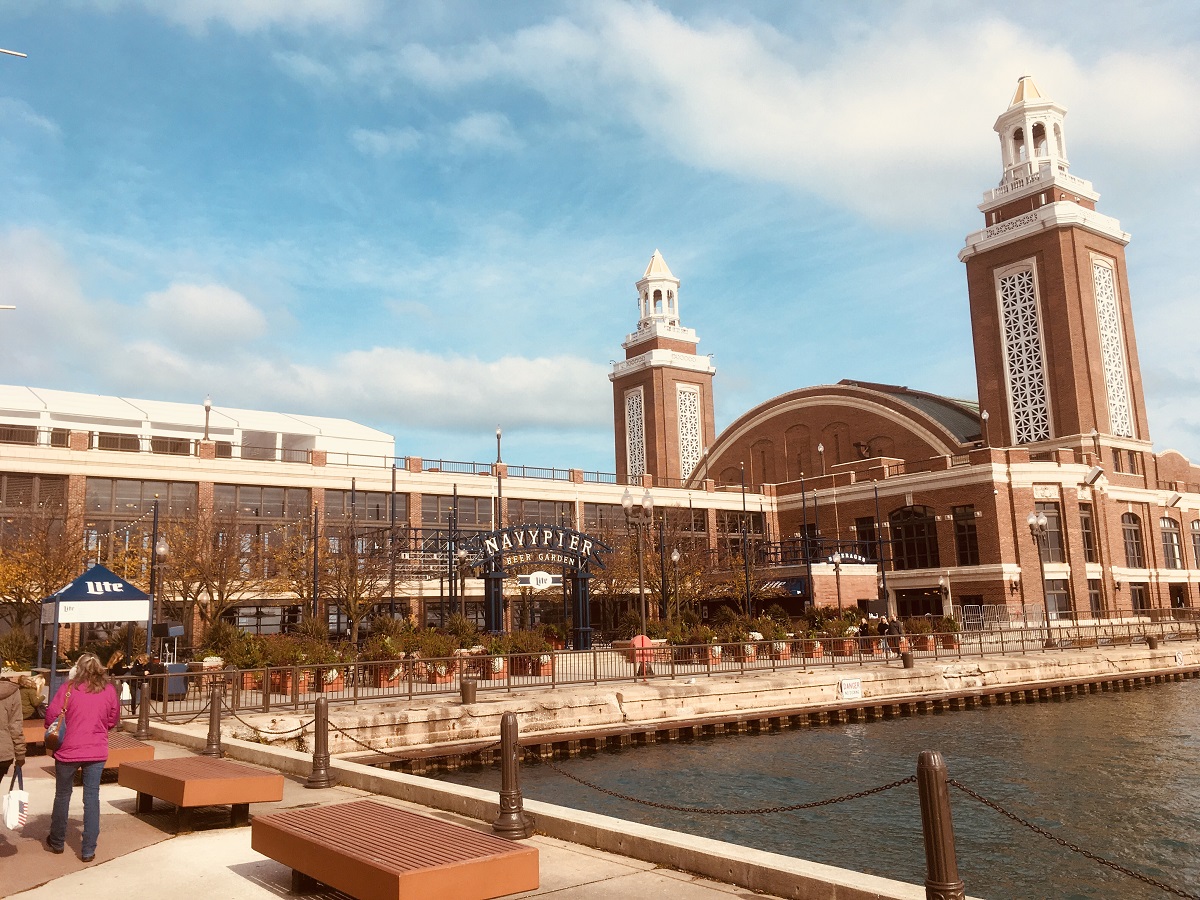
(746, 544)
(207, 413)
(159, 556)
(639, 516)
(1038, 528)
(675, 556)
(821, 453)
(836, 559)
(983, 417)
(461, 556)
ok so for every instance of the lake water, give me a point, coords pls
(1117, 774)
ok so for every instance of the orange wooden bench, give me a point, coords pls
(123, 748)
(373, 851)
(192, 781)
(35, 735)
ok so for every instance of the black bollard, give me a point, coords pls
(512, 821)
(320, 777)
(906, 659)
(941, 862)
(213, 747)
(143, 728)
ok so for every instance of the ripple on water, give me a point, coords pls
(1117, 774)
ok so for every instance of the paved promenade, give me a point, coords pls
(139, 857)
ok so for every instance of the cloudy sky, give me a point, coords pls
(429, 217)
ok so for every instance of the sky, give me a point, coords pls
(429, 217)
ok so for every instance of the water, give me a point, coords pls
(1116, 774)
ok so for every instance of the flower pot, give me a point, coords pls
(949, 641)
(330, 679)
(282, 681)
(494, 668)
(813, 649)
(252, 680)
(541, 665)
(922, 642)
(712, 656)
(388, 674)
(781, 650)
(845, 647)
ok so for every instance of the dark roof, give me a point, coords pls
(959, 417)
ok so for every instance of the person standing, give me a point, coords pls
(882, 629)
(92, 711)
(12, 738)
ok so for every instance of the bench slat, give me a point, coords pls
(377, 852)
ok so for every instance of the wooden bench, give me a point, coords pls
(35, 735)
(373, 851)
(192, 781)
(123, 748)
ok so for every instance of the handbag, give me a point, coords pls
(58, 729)
(126, 694)
(16, 801)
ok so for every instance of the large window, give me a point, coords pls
(541, 512)
(247, 502)
(1131, 533)
(1052, 548)
(1172, 543)
(474, 513)
(1058, 598)
(1139, 597)
(1087, 530)
(966, 537)
(368, 506)
(32, 492)
(914, 538)
(601, 517)
(1196, 542)
(868, 537)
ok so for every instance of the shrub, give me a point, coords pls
(16, 650)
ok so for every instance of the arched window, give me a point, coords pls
(1196, 542)
(1039, 139)
(1131, 532)
(914, 538)
(658, 302)
(1018, 140)
(1172, 543)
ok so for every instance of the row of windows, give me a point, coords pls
(32, 491)
(128, 497)
(1172, 542)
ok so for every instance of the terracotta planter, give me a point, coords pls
(281, 681)
(494, 668)
(434, 675)
(949, 641)
(323, 682)
(813, 649)
(922, 642)
(538, 668)
(781, 650)
(387, 674)
(252, 681)
(845, 647)
(712, 656)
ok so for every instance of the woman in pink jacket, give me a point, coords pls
(92, 711)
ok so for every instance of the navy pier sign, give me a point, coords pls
(537, 546)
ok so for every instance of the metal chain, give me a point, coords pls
(1116, 867)
(256, 728)
(387, 753)
(762, 811)
(162, 716)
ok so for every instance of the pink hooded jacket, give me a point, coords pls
(89, 719)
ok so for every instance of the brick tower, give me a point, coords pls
(662, 390)
(1055, 355)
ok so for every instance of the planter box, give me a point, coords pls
(813, 649)
(949, 641)
(252, 681)
(712, 656)
(433, 677)
(387, 674)
(922, 642)
(323, 682)
(493, 668)
(538, 668)
(781, 650)
(281, 681)
(845, 647)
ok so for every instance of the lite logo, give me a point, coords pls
(104, 587)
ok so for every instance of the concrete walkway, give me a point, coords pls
(137, 856)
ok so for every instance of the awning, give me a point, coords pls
(98, 595)
(794, 586)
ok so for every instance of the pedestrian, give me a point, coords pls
(91, 710)
(32, 704)
(140, 670)
(882, 630)
(895, 634)
(12, 730)
(118, 669)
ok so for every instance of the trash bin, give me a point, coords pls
(468, 687)
(907, 659)
(1152, 641)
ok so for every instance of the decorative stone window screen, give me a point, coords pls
(688, 400)
(1112, 347)
(1024, 354)
(635, 432)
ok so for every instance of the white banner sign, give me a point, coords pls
(539, 581)
(71, 611)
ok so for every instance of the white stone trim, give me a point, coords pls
(1112, 346)
(658, 359)
(1027, 387)
(635, 431)
(1062, 214)
(691, 427)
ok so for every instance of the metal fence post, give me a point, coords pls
(320, 777)
(213, 747)
(941, 863)
(143, 727)
(512, 821)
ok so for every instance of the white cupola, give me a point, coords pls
(658, 295)
(1031, 134)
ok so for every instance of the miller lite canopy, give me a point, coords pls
(98, 595)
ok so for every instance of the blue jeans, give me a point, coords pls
(64, 777)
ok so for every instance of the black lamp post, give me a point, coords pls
(836, 559)
(1038, 528)
(675, 556)
(638, 517)
(746, 544)
(207, 412)
(159, 555)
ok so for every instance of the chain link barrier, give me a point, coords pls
(256, 728)
(708, 811)
(388, 753)
(163, 716)
(1074, 848)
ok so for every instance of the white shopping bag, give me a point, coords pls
(16, 802)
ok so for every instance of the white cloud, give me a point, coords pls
(483, 131)
(253, 15)
(17, 114)
(388, 142)
(211, 316)
(853, 126)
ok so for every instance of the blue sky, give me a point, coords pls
(429, 217)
